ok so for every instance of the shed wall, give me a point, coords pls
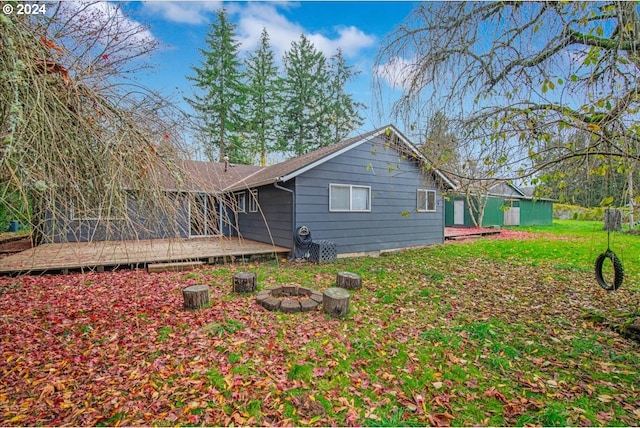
(536, 212)
(532, 212)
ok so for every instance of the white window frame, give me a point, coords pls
(426, 209)
(350, 187)
(253, 201)
(241, 202)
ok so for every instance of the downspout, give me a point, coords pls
(293, 214)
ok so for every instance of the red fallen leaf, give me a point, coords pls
(441, 419)
(493, 392)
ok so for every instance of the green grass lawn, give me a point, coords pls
(565, 245)
(483, 332)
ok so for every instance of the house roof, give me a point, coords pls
(291, 168)
(217, 177)
(207, 177)
(498, 188)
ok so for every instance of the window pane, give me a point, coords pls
(422, 200)
(360, 198)
(339, 198)
(240, 202)
(431, 201)
(253, 201)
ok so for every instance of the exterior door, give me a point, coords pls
(458, 212)
(512, 216)
(204, 218)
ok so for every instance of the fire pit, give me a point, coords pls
(289, 298)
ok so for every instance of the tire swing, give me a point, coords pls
(617, 268)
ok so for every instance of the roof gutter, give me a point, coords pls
(293, 212)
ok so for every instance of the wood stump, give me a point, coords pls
(244, 282)
(195, 296)
(335, 301)
(348, 281)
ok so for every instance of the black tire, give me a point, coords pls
(617, 268)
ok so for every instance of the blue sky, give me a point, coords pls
(357, 27)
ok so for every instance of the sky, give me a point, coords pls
(357, 27)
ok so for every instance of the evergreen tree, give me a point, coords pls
(223, 93)
(264, 86)
(441, 146)
(306, 119)
(344, 111)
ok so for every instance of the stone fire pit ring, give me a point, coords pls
(289, 298)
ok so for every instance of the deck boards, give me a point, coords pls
(98, 255)
(460, 233)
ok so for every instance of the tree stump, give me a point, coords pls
(195, 296)
(335, 301)
(244, 282)
(348, 281)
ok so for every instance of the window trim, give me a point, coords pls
(350, 186)
(426, 201)
(241, 202)
(253, 201)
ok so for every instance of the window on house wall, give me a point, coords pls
(253, 201)
(240, 202)
(346, 197)
(426, 200)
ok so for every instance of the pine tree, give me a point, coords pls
(344, 111)
(264, 87)
(223, 94)
(305, 124)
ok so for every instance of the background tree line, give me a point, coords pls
(247, 110)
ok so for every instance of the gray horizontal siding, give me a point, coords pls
(142, 224)
(393, 181)
(275, 207)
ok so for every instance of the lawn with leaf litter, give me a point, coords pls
(470, 333)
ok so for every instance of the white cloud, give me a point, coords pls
(256, 16)
(252, 17)
(183, 12)
(105, 21)
(350, 39)
(395, 72)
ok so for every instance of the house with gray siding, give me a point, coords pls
(371, 193)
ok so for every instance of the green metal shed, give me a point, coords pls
(507, 205)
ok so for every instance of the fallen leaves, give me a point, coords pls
(431, 349)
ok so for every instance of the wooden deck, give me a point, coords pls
(113, 254)
(459, 233)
